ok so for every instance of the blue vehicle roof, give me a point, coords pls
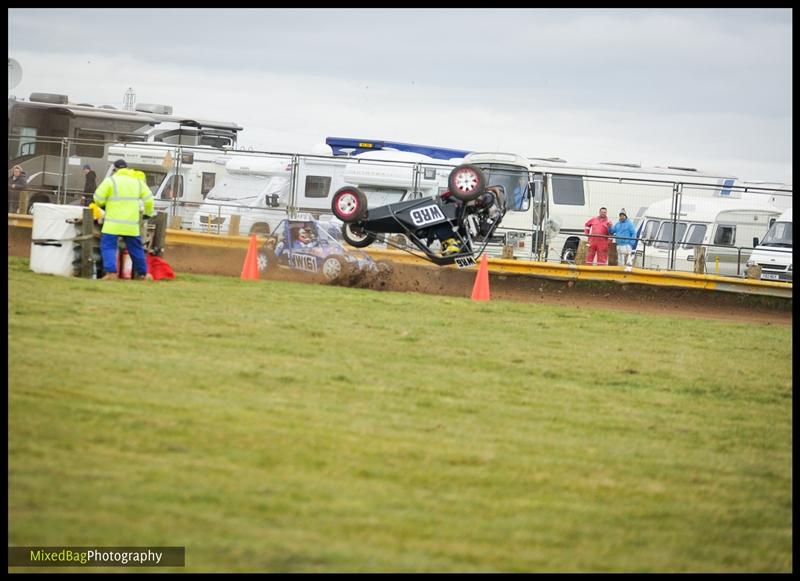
(354, 146)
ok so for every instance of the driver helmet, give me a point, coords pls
(304, 235)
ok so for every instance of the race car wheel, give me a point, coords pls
(349, 204)
(333, 268)
(466, 182)
(356, 236)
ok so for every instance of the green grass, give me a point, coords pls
(275, 426)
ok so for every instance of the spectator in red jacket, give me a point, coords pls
(597, 229)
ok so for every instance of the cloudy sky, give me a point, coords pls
(710, 89)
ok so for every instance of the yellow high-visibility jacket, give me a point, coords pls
(120, 194)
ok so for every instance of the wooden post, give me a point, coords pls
(22, 205)
(160, 234)
(580, 253)
(508, 252)
(87, 244)
(612, 254)
(233, 227)
(699, 259)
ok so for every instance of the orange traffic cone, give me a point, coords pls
(480, 291)
(250, 268)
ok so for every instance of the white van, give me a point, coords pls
(774, 253)
(255, 189)
(726, 227)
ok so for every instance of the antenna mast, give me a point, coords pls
(130, 97)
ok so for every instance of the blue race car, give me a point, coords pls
(309, 247)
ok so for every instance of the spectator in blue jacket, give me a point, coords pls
(625, 233)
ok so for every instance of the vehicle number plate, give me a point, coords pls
(427, 215)
(770, 276)
(465, 261)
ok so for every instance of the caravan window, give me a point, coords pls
(89, 144)
(154, 179)
(649, 231)
(208, 183)
(318, 186)
(665, 234)
(725, 235)
(695, 236)
(568, 190)
(173, 188)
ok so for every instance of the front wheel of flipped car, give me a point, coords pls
(356, 236)
(349, 204)
(466, 182)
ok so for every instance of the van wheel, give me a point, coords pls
(40, 199)
(569, 252)
(260, 229)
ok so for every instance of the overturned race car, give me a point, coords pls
(309, 247)
(461, 219)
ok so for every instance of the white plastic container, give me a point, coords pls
(52, 248)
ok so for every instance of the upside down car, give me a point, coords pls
(460, 219)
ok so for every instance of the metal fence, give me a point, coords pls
(228, 192)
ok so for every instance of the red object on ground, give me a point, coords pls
(159, 268)
(250, 268)
(480, 290)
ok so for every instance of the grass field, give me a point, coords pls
(275, 426)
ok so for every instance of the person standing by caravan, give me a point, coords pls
(16, 183)
(597, 229)
(625, 233)
(89, 184)
(121, 194)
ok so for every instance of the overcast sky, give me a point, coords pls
(710, 89)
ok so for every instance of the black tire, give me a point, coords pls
(38, 199)
(349, 204)
(356, 237)
(569, 252)
(466, 182)
(334, 268)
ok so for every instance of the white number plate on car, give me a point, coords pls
(770, 276)
(427, 215)
(465, 261)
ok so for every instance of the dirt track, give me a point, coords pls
(580, 295)
(454, 282)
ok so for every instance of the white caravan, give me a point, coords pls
(256, 189)
(725, 227)
(774, 253)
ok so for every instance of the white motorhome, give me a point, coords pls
(575, 193)
(724, 227)
(774, 252)
(256, 189)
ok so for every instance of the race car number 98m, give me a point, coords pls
(427, 215)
